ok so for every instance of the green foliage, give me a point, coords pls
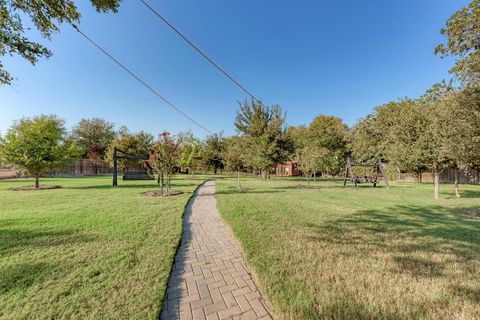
(94, 136)
(463, 32)
(46, 16)
(138, 144)
(233, 154)
(33, 145)
(309, 159)
(191, 151)
(265, 134)
(329, 135)
(212, 152)
(165, 157)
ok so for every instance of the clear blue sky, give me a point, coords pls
(312, 57)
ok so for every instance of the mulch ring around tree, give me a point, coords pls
(473, 212)
(158, 193)
(32, 188)
(304, 186)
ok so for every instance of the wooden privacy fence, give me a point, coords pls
(81, 167)
(465, 176)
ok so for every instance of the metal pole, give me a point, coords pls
(114, 166)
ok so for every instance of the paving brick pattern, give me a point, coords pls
(209, 279)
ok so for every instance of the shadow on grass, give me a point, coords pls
(409, 235)
(22, 276)
(14, 240)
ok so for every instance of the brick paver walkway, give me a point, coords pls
(209, 279)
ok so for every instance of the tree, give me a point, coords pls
(329, 135)
(138, 144)
(233, 156)
(164, 158)
(212, 151)
(94, 136)
(190, 155)
(460, 116)
(34, 145)
(265, 135)
(45, 15)
(405, 142)
(309, 158)
(463, 33)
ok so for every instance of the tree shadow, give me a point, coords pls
(13, 240)
(20, 276)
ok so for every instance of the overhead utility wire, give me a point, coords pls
(140, 80)
(201, 52)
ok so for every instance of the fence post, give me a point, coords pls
(114, 166)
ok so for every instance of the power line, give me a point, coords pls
(225, 73)
(140, 80)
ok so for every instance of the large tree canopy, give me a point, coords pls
(463, 41)
(46, 16)
(94, 136)
(33, 145)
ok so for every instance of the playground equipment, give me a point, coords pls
(375, 177)
(135, 175)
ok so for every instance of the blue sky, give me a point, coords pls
(311, 57)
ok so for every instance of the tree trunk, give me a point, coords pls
(37, 182)
(308, 180)
(238, 180)
(457, 191)
(436, 182)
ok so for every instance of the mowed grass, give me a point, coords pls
(87, 251)
(372, 253)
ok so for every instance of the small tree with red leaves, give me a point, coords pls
(164, 158)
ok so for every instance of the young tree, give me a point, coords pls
(462, 34)
(265, 135)
(190, 151)
(45, 15)
(309, 158)
(33, 145)
(164, 158)
(135, 144)
(213, 148)
(233, 155)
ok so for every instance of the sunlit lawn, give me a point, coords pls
(371, 253)
(87, 250)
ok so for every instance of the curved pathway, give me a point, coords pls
(209, 279)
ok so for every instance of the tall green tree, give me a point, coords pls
(93, 136)
(34, 145)
(46, 16)
(138, 144)
(329, 136)
(213, 148)
(463, 33)
(265, 135)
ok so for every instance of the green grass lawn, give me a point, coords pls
(87, 250)
(371, 253)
